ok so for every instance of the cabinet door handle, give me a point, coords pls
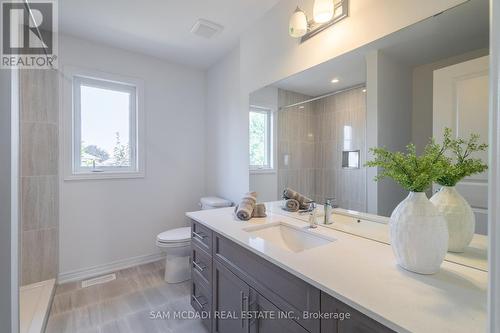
(199, 267)
(201, 236)
(201, 305)
(244, 307)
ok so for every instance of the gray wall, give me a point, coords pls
(389, 107)
(7, 285)
(39, 115)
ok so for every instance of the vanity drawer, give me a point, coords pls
(357, 321)
(201, 236)
(201, 264)
(201, 301)
(283, 289)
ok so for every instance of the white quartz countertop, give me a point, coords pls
(363, 274)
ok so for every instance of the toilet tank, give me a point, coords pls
(214, 202)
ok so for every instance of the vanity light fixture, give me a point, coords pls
(323, 10)
(298, 23)
(364, 90)
(335, 80)
(325, 14)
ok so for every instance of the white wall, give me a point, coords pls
(105, 221)
(266, 183)
(227, 131)
(268, 54)
(423, 95)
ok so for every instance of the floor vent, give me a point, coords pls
(98, 280)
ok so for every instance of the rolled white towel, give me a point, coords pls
(291, 205)
(259, 210)
(304, 201)
(244, 209)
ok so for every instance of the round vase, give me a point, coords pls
(458, 215)
(419, 234)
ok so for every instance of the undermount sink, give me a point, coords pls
(286, 237)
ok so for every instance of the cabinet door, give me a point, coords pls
(267, 318)
(355, 323)
(230, 301)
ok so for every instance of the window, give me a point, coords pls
(260, 132)
(105, 131)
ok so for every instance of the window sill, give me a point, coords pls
(262, 171)
(104, 175)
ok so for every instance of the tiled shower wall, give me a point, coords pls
(313, 138)
(39, 208)
(295, 139)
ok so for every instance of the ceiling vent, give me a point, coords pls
(206, 29)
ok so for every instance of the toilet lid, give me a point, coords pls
(175, 235)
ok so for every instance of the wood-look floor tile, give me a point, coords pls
(62, 303)
(116, 288)
(113, 309)
(127, 272)
(60, 323)
(123, 305)
(155, 296)
(116, 326)
(150, 267)
(148, 280)
(85, 296)
(135, 301)
(86, 317)
(142, 322)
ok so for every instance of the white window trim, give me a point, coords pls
(257, 169)
(68, 121)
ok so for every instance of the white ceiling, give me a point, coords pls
(456, 31)
(161, 28)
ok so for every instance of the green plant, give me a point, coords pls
(414, 173)
(461, 165)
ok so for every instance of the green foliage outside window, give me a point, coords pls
(258, 136)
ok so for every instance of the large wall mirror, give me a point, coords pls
(312, 131)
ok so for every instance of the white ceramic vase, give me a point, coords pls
(459, 217)
(419, 234)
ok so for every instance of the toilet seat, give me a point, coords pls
(174, 236)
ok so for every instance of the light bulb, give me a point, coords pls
(298, 24)
(323, 10)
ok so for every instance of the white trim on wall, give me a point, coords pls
(494, 172)
(111, 267)
(66, 129)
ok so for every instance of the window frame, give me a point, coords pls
(269, 140)
(71, 123)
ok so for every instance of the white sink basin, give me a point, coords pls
(286, 237)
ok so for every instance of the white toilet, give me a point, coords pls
(176, 243)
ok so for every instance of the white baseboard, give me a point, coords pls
(89, 272)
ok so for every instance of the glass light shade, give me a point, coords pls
(298, 24)
(323, 10)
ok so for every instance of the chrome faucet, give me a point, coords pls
(312, 215)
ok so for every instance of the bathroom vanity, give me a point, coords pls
(285, 277)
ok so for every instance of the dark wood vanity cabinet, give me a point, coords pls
(228, 281)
